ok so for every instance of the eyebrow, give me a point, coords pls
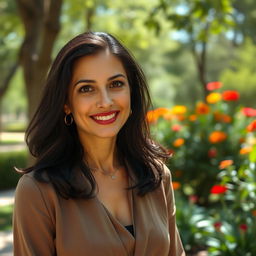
(93, 81)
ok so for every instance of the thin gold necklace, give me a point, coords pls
(112, 175)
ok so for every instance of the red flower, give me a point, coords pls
(213, 86)
(249, 112)
(217, 225)
(176, 127)
(170, 152)
(218, 189)
(230, 95)
(243, 227)
(193, 199)
(212, 152)
(252, 126)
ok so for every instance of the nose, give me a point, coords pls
(104, 100)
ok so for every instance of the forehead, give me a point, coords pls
(102, 64)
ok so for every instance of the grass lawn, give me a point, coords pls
(6, 217)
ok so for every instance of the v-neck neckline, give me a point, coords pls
(131, 206)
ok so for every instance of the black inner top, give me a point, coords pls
(130, 229)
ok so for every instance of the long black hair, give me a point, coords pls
(56, 147)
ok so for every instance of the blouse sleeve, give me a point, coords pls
(176, 248)
(33, 228)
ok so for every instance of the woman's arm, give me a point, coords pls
(176, 248)
(33, 226)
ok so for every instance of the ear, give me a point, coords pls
(67, 109)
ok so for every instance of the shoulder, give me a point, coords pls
(29, 189)
(28, 183)
(165, 172)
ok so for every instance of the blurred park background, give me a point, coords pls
(199, 58)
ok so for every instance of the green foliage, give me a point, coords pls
(17, 126)
(10, 37)
(237, 225)
(8, 160)
(15, 102)
(197, 18)
(6, 217)
(241, 74)
(191, 221)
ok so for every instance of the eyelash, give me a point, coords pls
(89, 88)
(120, 84)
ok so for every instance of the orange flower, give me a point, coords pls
(213, 97)
(254, 213)
(175, 185)
(222, 117)
(213, 86)
(152, 116)
(178, 142)
(230, 95)
(245, 150)
(241, 140)
(217, 137)
(252, 126)
(168, 115)
(202, 108)
(192, 118)
(225, 163)
(179, 110)
(226, 118)
(161, 111)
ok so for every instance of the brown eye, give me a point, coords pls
(117, 84)
(85, 88)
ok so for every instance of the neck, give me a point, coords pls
(101, 153)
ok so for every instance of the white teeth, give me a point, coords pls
(104, 118)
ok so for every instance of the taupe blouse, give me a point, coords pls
(46, 224)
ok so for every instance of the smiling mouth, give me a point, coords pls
(105, 118)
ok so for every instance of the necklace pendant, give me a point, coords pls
(113, 177)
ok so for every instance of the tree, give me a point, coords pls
(198, 20)
(245, 20)
(41, 20)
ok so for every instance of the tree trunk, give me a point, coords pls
(41, 19)
(201, 60)
(4, 87)
(89, 14)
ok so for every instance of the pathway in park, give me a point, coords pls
(6, 248)
(7, 197)
(12, 136)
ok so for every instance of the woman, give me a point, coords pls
(98, 185)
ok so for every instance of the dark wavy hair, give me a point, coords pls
(56, 147)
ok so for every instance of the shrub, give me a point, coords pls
(8, 176)
(199, 138)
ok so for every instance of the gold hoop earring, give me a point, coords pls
(68, 119)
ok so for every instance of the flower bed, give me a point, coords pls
(213, 149)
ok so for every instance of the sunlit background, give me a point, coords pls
(183, 46)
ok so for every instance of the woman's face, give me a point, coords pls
(99, 96)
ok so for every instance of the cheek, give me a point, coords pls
(80, 104)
